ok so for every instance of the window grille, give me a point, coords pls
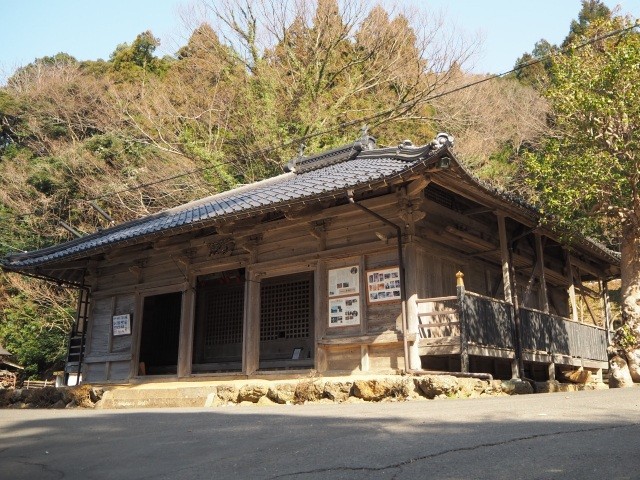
(223, 312)
(286, 307)
(442, 197)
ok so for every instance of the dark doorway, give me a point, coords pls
(286, 322)
(217, 340)
(160, 334)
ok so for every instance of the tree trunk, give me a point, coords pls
(630, 276)
(624, 363)
(633, 361)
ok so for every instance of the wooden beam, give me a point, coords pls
(572, 288)
(296, 213)
(448, 181)
(385, 338)
(477, 211)
(433, 208)
(504, 256)
(544, 297)
(417, 186)
(251, 228)
(584, 290)
(588, 267)
(489, 248)
(348, 251)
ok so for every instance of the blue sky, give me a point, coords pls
(90, 29)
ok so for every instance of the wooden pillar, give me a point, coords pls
(321, 309)
(572, 289)
(515, 369)
(607, 309)
(464, 324)
(412, 274)
(187, 321)
(136, 333)
(544, 297)
(504, 255)
(251, 324)
(364, 358)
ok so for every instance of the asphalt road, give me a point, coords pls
(580, 435)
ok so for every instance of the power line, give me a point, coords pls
(408, 104)
(12, 247)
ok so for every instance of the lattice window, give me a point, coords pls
(442, 197)
(286, 307)
(223, 315)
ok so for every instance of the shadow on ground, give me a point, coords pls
(579, 435)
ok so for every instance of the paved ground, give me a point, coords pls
(579, 435)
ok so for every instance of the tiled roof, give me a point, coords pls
(337, 170)
(323, 176)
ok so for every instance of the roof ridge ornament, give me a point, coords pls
(350, 151)
(443, 139)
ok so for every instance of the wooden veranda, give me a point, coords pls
(469, 324)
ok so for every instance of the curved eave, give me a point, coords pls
(39, 266)
(525, 212)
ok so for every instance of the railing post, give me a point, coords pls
(464, 324)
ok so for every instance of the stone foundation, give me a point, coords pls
(380, 388)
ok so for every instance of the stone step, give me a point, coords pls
(160, 397)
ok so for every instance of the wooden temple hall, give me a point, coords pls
(358, 259)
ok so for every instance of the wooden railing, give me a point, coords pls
(438, 317)
(489, 321)
(31, 384)
(470, 318)
(554, 334)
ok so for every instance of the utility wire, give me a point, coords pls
(412, 103)
(12, 247)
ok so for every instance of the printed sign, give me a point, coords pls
(121, 325)
(344, 311)
(344, 281)
(383, 285)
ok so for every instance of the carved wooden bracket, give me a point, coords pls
(221, 248)
(142, 262)
(410, 199)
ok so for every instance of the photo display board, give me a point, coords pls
(344, 311)
(383, 285)
(121, 325)
(344, 296)
(344, 281)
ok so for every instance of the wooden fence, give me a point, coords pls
(32, 384)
